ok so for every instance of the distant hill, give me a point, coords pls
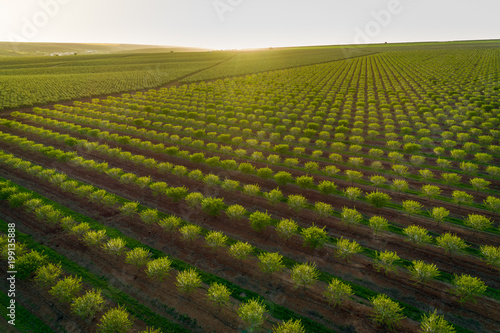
(31, 49)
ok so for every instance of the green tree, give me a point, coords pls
(411, 207)
(478, 222)
(252, 313)
(236, 212)
(212, 206)
(346, 248)
(270, 262)
(385, 261)
(462, 198)
(274, 196)
(467, 287)
(378, 224)
(337, 291)
(187, 281)
(314, 236)
(290, 326)
(189, 232)
(138, 256)
(286, 228)
(351, 216)
(378, 199)
(240, 250)
(422, 272)
(218, 294)
(304, 275)
(259, 220)
(479, 184)
(283, 177)
(439, 214)
(215, 239)
(386, 311)
(159, 268)
(352, 193)
(451, 243)
(88, 305)
(491, 255)
(434, 323)
(327, 187)
(417, 235)
(47, 275)
(115, 320)
(296, 202)
(66, 289)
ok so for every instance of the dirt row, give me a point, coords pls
(249, 232)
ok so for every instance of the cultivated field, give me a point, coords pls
(338, 190)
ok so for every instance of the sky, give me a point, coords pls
(235, 24)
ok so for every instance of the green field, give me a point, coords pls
(322, 186)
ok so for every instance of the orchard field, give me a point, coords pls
(293, 190)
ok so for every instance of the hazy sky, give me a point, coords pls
(247, 23)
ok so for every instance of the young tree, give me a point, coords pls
(115, 246)
(129, 208)
(194, 199)
(115, 320)
(399, 185)
(47, 275)
(149, 216)
(351, 216)
(426, 174)
(479, 184)
(434, 323)
(314, 236)
(252, 313)
(138, 256)
(66, 289)
(353, 175)
(88, 305)
(283, 177)
(259, 220)
(378, 180)
(411, 207)
(378, 199)
(170, 223)
(337, 291)
(304, 275)
(189, 232)
(439, 214)
(215, 239)
(462, 198)
(327, 187)
(286, 228)
(352, 193)
(417, 235)
(296, 202)
(270, 262)
(491, 255)
(290, 326)
(385, 261)
(467, 287)
(378, 224)
(430, 191)
(218, 294)
(422, 272)
(346, 248)
(323, 209)
(305, 181)
(240, 251)
(159, 268)
(386, 311)
(212, 206)
(187, 281)
(274, 196)
(451, 243)
(478, 222)
(493, 204)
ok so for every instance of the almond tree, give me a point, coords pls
(422, 272)
(417, 235)
(462, 198)
(385, 261)
(439, 214)
(478, 222)
(467, 287)
(491, 255)
(240, 251)
(270, 262)
(337, 291)
(346, 248)
(411, 207)
(378, 199)
(286, 228)
(252, 313)
(218, 294)
(290, 326)
(304, 275)
(351, 216)
(451, 243)
(159, 268)
(386, 311)
(434, 323)
(187, 281)
(115, 320)
(88, 305)
(66, 289)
